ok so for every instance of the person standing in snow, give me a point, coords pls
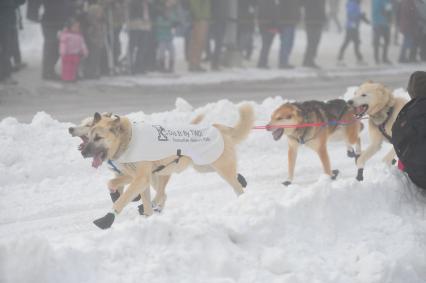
(315, 19)
(408, 27)
(354, 17)
(289, 13)
(381, 17)
(71, 48)
(55, 15)
(268, 20)
(164, 33)
(333, 14)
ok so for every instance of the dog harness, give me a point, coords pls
(203, 145)
(383, 125)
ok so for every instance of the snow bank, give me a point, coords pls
(314, 231)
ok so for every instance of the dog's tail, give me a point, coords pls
(244, 125)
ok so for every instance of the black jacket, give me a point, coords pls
(314, 12)
(55, 11)
(268, 14)
(290, 12)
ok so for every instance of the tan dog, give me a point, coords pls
(378, 102)
(316, 138)
(109, 139)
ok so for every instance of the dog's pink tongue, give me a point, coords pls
(97, 161)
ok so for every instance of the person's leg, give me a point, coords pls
(267, 39)
(376, 43)
(386, 41)
(14, 48)
(161, 56)
(218, 37)
(313, 33)
(404, 47)
(357, 43)
(198, 41)
(344, 45)
(172, 55)
(412, 56)
(50, 49)
(117, 45)
(5, 67)
(287, 41)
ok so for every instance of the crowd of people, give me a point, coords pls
(87, 35)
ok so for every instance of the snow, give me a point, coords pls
(316, 230)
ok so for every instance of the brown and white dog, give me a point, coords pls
(378, 102)
(316, 138)
(109, 139)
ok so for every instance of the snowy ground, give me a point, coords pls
(317, 230)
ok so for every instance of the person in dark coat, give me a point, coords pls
(217, 30)
(7, 22)
(315, 18)
(381, 12)
(55, 15)
(268, 20)
(246, 26)
(408, 27)
(289, 12)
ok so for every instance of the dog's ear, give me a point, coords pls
(116, 125)
(96, 118)
(107, 114)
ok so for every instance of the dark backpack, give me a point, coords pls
(409, 140)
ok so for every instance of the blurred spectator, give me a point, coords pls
(140, 27)
(354, 17)
(15, 50)
(333, 14)
(246, 26)
(268, 19)
(421, 22)
(116, 10)
(94, 34)
(71, 48)
(314, 22)
(381, 16)
(289, 18)
(164, 33)
(55, 14)
(200, 14)
(7, 22)
(409, 29)
(217, 30)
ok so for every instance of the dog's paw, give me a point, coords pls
(157, 208)
(242, 180)
(287, 183)
(114, 196)
(393, 161)
(141, 209)
(351, 153)
(334, 174)
(138, 198)
(106, 221)
(360, 175)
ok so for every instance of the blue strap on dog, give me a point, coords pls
(111, 163)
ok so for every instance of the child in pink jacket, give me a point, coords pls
(71, 48)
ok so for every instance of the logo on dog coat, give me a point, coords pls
(203, 145)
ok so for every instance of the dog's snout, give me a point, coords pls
(351, 102)
(71, 130)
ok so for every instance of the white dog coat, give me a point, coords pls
(203, 145)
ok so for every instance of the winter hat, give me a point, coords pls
(417, 84)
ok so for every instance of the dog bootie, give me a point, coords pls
(114, 196)
(106, 221)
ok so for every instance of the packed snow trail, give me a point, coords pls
(316, 230)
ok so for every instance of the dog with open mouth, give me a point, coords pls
(143, 151)
(378, 102)
(325, 121)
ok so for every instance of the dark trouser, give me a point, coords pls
(14, 48)
(409, 46)
(245, 42)
(287, 41)
(138, 50)
(313, 34)
(218, 34)
(380, 32)
(92, 64)
(267, 39)
(50, 48)
(352, 35)
(197, 43)
(117, 45)
(6, 26)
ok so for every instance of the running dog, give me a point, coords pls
(378, 102)
(327, 119)
(143, 151)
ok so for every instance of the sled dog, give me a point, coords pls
(382, 108)
(324, 116)
(143, 151)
